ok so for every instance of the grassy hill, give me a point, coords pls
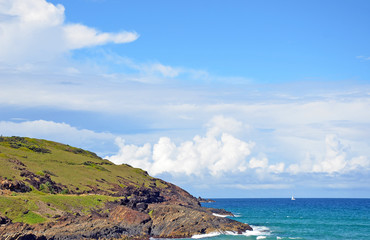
(41, 180)
(77, 169)
(54, 191)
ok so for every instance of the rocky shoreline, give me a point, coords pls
(141, 213)
(159, 220)
(105, 201)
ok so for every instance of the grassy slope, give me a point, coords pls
(73, 167)
(38, 207)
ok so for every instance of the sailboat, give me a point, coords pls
(292, 198)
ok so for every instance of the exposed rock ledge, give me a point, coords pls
(163, 220)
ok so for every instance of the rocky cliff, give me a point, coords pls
(53, 191)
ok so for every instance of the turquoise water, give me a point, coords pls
(299, 219)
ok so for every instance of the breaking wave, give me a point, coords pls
(214, 234)
(258, 231)
(220, 215)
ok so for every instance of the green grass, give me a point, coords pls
(74, 203)
(77, 169)
(30, 218)
(23, 207)
(73, 167)
(19, 208)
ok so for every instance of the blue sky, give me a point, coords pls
(225, 99)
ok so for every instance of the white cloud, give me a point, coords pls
(80, 36)
(166, 71)
(336, 159)
(219, 124)
(34, 30)
(258, 163)
(277, 168)
(219, 152)
(147, 71)
(132, 154)
(216, 153)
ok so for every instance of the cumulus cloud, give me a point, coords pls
(220, 124)
(336, 159)
(219, 152)
(216, 153)
(34, 30)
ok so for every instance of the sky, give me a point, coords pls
(223, 98)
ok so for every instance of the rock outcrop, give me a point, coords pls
(175, 221)
(14, 186)
(163, 220)
(40, 201)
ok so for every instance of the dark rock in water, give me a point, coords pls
(222, 212)
(203, 200)
(174, 221)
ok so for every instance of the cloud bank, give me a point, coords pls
(220, 153)
(216, 153)
(336, 159)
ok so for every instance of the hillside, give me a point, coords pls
(44, 184)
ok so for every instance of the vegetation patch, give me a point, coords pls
(26, 207)
(95, 165)
(21, 142)
(30, 218)
(80, 151)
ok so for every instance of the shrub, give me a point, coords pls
(64, 191)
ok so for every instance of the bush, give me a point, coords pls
(64, 191)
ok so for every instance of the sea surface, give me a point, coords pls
(308, 218)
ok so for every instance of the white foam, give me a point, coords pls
(213, 234)
(258, 231)
(219, 215)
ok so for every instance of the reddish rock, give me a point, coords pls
(128, 216)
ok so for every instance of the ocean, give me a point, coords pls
(306, 218)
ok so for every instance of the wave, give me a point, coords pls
(260, 231)
(213, 234)
(220, 215)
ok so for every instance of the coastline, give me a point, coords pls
(60, 192)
